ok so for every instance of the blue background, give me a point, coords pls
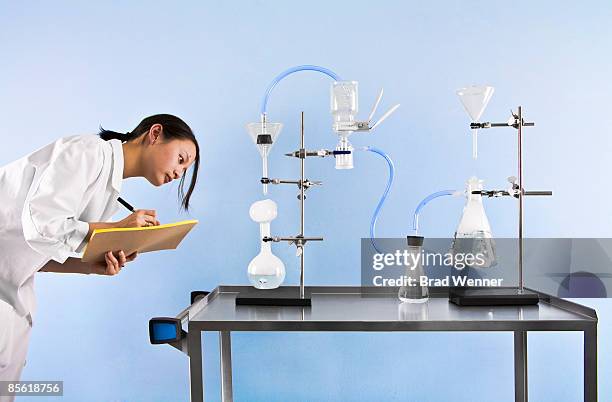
(68, 67)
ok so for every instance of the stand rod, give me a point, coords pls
(302, 161)
(520, 197)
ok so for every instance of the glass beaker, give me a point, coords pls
(413, 311)
(413, 290)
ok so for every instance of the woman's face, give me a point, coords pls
(165, 161)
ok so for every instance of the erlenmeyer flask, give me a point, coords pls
(413, 291)
(473, 235)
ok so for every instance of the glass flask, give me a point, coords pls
(265, 271)
(344, 107)
(344, 102)
(413, 292)
(473, 235)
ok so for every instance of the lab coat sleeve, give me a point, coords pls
(49, 217)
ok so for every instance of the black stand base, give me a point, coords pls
(282, 296)
(492, 297)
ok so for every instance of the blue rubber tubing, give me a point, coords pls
(425, 201)
(384, 196)
(306, 67)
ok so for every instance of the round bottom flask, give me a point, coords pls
(265, 271)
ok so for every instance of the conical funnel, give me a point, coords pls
(264, 136)
(475, 99)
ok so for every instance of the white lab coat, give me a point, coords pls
(47, 199)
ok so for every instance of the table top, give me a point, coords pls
(351, 308)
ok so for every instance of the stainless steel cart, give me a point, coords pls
(372, 310)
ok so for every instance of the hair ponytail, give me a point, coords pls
(113, 135)
(173, 128)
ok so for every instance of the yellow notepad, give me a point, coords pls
(143, 239)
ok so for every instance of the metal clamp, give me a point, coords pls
(514, 191)
(306, 184)
(366, 125)
(297, 240)
(303, 153)
(505, 193)
(514, 121)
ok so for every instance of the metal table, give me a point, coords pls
(353, 308)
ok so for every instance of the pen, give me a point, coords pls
(131, 208)
(125, 204)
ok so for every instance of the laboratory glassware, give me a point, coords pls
(264, 135)
(473, 235)
(413, 291)
(265, 271)
(475, 99)
(344, 107)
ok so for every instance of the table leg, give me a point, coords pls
(520, 366)
(194, 350)
(590, 364)
(225, 348)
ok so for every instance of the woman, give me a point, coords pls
(53, 199)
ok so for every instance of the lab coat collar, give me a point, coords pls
(117, 164)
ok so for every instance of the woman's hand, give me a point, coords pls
(112, 264)
(139, 218)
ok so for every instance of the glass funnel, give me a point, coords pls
(475, 99)
(264, 136)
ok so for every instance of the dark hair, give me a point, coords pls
(173, 128)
